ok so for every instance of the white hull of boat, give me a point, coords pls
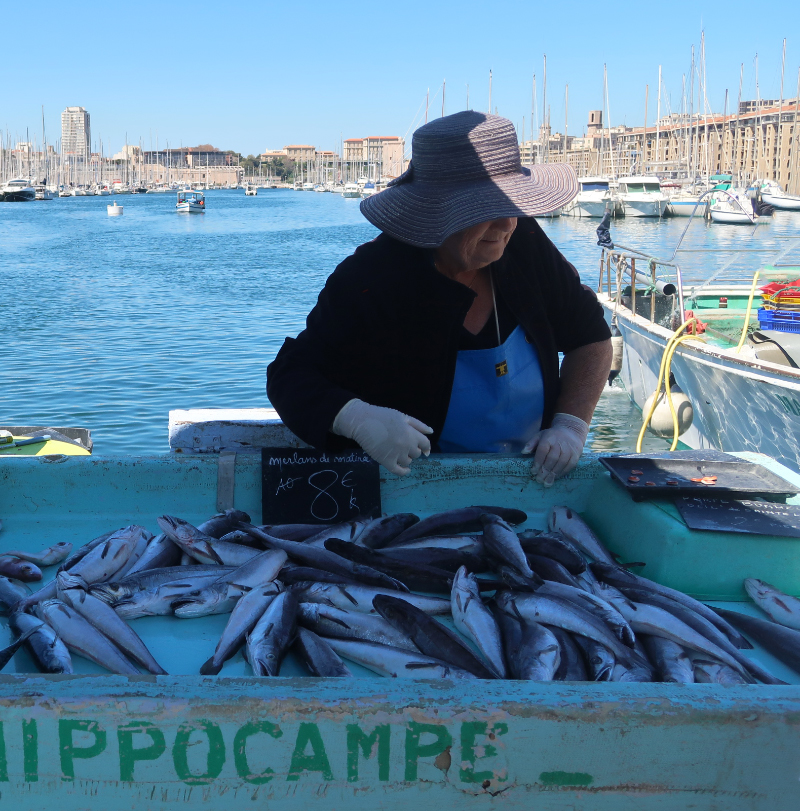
(189, 208)
(733, 217)
(785, 202)
(637, 207)
(586, 208)
(684, 208)
(739, 404)
(352, 194)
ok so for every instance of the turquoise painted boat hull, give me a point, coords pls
(100, 741)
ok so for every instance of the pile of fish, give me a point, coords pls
(550, 605)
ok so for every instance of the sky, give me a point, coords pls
(251, 76)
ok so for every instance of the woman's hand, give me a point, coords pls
(558, 448)
(390, 437)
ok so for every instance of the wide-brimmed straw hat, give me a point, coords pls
(465, 169)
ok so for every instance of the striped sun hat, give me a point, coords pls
(465, 169)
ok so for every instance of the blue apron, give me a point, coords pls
(497, 401)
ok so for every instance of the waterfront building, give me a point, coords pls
(373, 157)
(76, 135)
(300, 153)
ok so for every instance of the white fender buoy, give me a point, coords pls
(115, 210)
(661, 421)
(617, 347)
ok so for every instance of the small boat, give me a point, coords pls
(250, 190)
(65, 193)
(642, 196)
(43, 193)
(18, 190)
(102, 191)
(775, 196)
(351, 190)
(308, 187)
(733, 207)
(594, 196)
(191, 202)
(79, 192)
(368, 190)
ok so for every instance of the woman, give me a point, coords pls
(444, 332)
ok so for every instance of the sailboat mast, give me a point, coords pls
(644, 131)
(796, 144)
(658, 118)
(566, 120)
(779, 133)
(608, 112)
(545, 116)
(739, 162)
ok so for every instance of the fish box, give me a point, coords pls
(165, 742)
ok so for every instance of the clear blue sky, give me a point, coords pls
(250, 76)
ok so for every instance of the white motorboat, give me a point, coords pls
(594, 196)
(79, 192)
(743, 398)
(43, 193)
(18, 190)
(102, 191)
(65, 193)
(191, 202)
(250, 190)
(733, 207)
(775, 196)
(641, 196)
(368, 190)
(308, 187)
(351, 190)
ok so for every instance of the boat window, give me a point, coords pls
(594, 186)
(652, 187)
(634, 187)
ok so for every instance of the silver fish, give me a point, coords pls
(600, 661)
(475, 621)
(274, 632)
(83, 550)
(707, 671)
(260, 569)
(398, 663)
(328, 621)
(572, 666)
(47, 557)
(570, 524)
(218, 598)
(781, 607)
(350, 597)
(155, 602)
(201, 576)
(463, 543)
(105, 560)
(242, 620)
(48, 651)
(81, 637)
(346, 531)
(161, 551)
(204, 548)
(463, 519)
(502, 542)
(11, 592)
(108, 622)
(223, 523)
(531, 650)
(320, 658)
(383, 530)
(671, 661)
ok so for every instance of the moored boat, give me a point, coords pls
(191, 202)
(641, 196)
(775, 196)
(594, 197)
(351, 190)
(18, 190)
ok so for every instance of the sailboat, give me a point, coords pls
(774, 195)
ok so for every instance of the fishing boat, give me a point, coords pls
(18, 190)
(774, 195)
(594, 197)
(191, 202)
(351, 190)
(737, 364)
(641, 196)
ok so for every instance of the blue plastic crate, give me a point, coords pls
(781, 320)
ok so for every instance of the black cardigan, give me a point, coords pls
(386, 330)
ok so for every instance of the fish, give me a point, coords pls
(465, 519)
(161, 552)
(140, 547)
(200, 576)
(83, 550)
(218, 598)
(106, 559)
(223, 523)
(575, 529)
(203, 548)
(638, 670)
(503, 544)
(782, 608)
(19, 569)
(464, 543)
(328, 621)
(11, 592)
(572, 666)
(707, 671)
(56, 553)
(672, 663)
(531, 650)
(242, 538)
(476, 622)
(553, 545)
(517, 582)
(600, 661)
(81, 637)
(292, 574)
(430, 636)
(319, 657)
(108, 622)
(242, 620)
(384, 530)
(351, 597)
(45, 646)
(398, 663)
(782, 642)
(550, 610)
(292, 532)
(323, 558)
(450, 559)
(272, 635)
(155, 602)
(346, 531)
(619, 577)
(552, 570)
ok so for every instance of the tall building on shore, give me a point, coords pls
(76, 136)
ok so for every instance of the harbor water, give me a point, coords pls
(109, 323)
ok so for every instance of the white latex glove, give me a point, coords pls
(558, 448)
(390, 437)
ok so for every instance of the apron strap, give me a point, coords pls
(494, 305)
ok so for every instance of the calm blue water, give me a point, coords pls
(109, 323)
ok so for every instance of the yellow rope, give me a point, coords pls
(747, 314)
(666, 358)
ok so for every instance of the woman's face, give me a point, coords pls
(475, 247)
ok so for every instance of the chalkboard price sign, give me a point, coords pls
(306, 486)
(740, 515)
